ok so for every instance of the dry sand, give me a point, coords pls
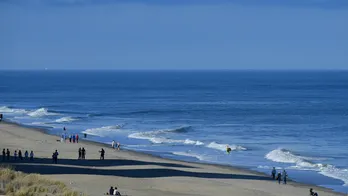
(138, 174)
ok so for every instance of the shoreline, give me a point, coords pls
(144, 155)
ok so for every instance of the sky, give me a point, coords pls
(174, 34)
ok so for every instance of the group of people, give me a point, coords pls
(279, 176)
(82, 153)
(115, 145)
(113, 191)
(6, 155)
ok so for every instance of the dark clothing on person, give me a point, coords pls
(77, 138)
(80, 153)
(73, 138)
(3, 154)
(279, 177)
(8, 154)
(111, 191)
(274, 172)
(55, 157)
(83, 151)
(20, 155)
(1, 116)
(102, 154)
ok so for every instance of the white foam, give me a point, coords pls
(151, 136)
(103, 131)
(5, 109)
(190, 154)
(222, 147)
(66, 119)
(306, 163)
(41, 112)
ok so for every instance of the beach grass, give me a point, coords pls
(22, 184)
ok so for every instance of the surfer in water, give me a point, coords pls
(228, 149)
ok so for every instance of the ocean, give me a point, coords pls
(293, 120)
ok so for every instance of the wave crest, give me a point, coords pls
(222, 147)
(162, 140)
(5, 109)
(103, 131)
(66, 119)
(41, 112)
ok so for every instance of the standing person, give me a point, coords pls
(274, 172)
(64, 129)
(113, 144)
(70, 137)
(102, 154)
(285, 175)
(15, 155)
(31, 155)
(55, 157)
(8, 154)
(26, 155)
(77, 138)
(20, 155)
(62, 138)
(118, 145)
(80, 153)
(279, 177)
(73, 138)
(3, 154)
(83, 153)
(1, 116)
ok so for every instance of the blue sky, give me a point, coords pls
(174, 34)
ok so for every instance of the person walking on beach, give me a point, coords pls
(26, 155)
(55, 157)
(113, 144)
(77, 138)
(74, 138)
(274, 172)
(70, 138)
(279, 177)
(31, 155)
(102, 154)
(15, 155)
(3, 154)
(83, 153)
(80, 153)
(20, 155)
(8, 154)
(285, 175)
(118, 146)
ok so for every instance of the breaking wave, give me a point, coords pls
(162, 140)
(5, 109)
(190, 154)
(103, 131)
(222, 147)
(66, 119)
(307, 163)
(41, 112)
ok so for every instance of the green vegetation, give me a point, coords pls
(21, 184)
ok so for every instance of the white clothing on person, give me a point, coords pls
(113, 144)
(116, 192)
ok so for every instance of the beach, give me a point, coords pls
(137, 174)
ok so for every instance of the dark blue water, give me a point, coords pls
(292, 120)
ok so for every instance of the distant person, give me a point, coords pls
(285, 175)
(55, 157)
(83, 151)
(15, 155)
(274, 172)
(279, 177)
(85, 135)
(113, 144)
(228, 149)
(111, 191)
(1, 116)
(73, 138)
(80, 153)
(64, 129)
(77, 138)
(3, 154)
(31, 155)
(118, 146)
(26, 155)
(20, 155)
(116, 192)
(8, 154)
(102, 154)
(70, 137)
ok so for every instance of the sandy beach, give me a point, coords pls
(137, 174)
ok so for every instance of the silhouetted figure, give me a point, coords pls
(15, 155)
(64, 129)
(20, 155)
(73, 138)
(77, 138)
(1, 116)
(274, 172)
(279, 177)
(111, 191)
(311, 193)
(3, 154)
(83, 153)
(26, 155)
(102, 154)
(31, 155)
(70, 137)
(8, 154)
(55, 157)
(80, 153)
(285, 175)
